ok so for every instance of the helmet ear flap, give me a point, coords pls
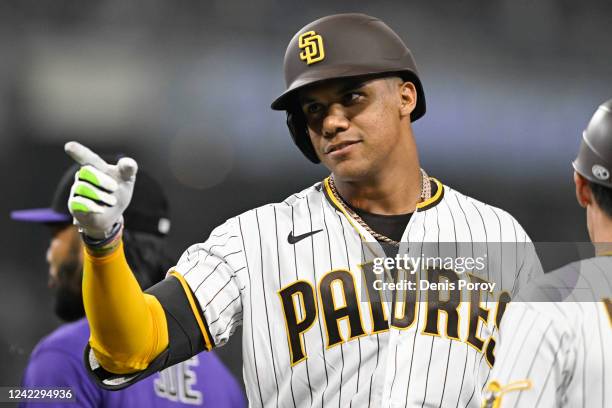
(299, 133)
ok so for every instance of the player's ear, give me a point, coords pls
(584, 196)
(408, 98)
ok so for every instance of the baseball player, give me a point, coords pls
(57, 359)
(555, 338)
(292, 273)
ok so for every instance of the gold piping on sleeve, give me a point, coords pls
(194, 308)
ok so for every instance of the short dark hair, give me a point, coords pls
(603, 197)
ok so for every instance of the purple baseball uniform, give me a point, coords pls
(57, 361)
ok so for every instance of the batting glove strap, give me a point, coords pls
(104, 246)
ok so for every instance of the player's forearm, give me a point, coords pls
(128, 327)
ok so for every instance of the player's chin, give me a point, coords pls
(348, 168)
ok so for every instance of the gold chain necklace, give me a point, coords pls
(425, 195)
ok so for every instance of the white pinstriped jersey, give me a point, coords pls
(311, 338)
(563, 347)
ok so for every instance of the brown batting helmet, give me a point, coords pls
(342, 46)
(594, 161)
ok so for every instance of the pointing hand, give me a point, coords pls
(101, 192)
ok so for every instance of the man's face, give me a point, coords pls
(355, 124)
(65, 259)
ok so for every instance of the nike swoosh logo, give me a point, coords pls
(295, 239)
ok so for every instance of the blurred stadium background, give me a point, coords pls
(185, 87)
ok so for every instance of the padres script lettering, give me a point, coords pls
(339, 300)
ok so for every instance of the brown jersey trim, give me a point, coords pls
(435, 199)
(334, 202)
(329, 196)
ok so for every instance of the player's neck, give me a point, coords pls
(388, 193)
(600, 230)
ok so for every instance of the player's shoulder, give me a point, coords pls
(465, 200)
(295, 201)
(564, 296)
(555, 286)
(475, 208)
(299, 199)
(69, 339)
(579, 281)
(257, 219)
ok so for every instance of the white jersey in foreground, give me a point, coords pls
(557, 353)
(291, 274)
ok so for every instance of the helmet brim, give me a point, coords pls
(287, 101)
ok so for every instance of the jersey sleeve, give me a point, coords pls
(529, 266)
(212, 271)
(534, 361)
(55, 368)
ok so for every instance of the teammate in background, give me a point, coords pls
(57, 360)
(555, 338)
(289, 272)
